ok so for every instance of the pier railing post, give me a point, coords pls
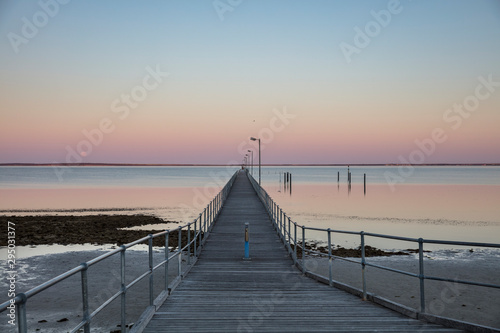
(277, 211)
(201, 229)
(22, 324)
(421, 273)
(276, 218)
(284, 227)
(303, 250)
(167, 253)
(123, 290)
(289, 232)
(204, 222)
(295, 243)
(281, 225)
(179, 252)
(330, 259)
(268, 208)
(363, 263)
(151, 296)
(273, 210)
(85, 298)
(189, 245)
(210, 214)
(195, 250)
(214, 210)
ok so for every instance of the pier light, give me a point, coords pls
(260, 161)
(251, 151)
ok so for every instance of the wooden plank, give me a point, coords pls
(224, 293)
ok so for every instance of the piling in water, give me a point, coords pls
(364, 182)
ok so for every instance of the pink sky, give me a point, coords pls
(225, 79)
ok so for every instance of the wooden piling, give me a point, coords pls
(364, 182)
(290, 184)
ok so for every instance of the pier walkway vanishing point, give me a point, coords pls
(225, 293)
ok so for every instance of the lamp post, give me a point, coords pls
(251, 151)
(260, 161)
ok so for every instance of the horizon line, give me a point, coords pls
(232, 164)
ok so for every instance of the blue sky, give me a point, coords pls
(228, 76)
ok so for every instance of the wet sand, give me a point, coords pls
(59, 308)
(473, 304)
(85, 229)
(47, 312)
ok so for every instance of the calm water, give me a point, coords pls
(449, 203)
(173, 193)
(460, 203)
(111, 177)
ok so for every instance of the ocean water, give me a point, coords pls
(111, 177)
(442, 202)
(173, 193)
(435, 175)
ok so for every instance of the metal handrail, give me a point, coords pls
(282, 224)
(202, 226)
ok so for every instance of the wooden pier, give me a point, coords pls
(225, 293)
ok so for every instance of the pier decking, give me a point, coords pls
(224, 293)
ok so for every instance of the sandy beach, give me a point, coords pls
(473, 304)
(57, 309)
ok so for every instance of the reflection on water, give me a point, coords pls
(470, 175)
(172, 204)
(434, 202)
(285, 182)
(448, 212)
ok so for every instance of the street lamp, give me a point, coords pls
(260, 161)
(251, 151)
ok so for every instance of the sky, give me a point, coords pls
(319, 81)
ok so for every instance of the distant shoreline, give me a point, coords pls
(238, 165)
